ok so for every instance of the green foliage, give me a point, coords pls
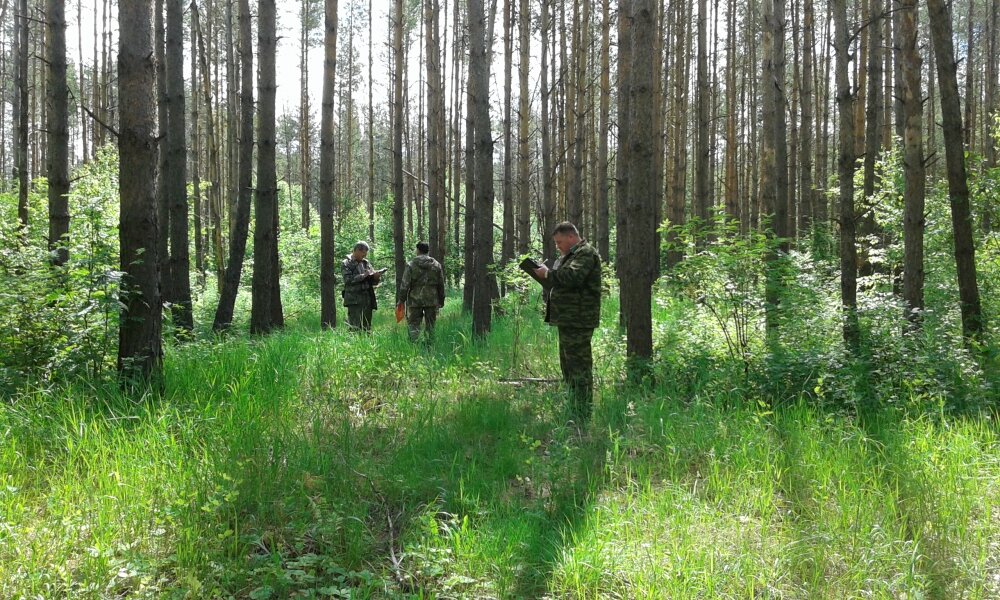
(57, 323)
(722, 274)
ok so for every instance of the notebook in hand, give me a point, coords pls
(528, 265)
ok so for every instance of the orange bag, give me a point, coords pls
(400, 312)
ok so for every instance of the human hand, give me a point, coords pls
(542, 272)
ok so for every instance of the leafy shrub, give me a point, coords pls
(57, 322)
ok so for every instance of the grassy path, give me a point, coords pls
(318, 465)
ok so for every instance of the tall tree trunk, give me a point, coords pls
(507, 240)
(479, 76)
(991, 101)
(435, 127)
(732, 207)
(21, 115)
(622, 161)
(677, 201)
(241, 217)
(57, 124)
(908, 58)
(845, 173)
(523, 120)
(822, 214)
(232, 116)
(265, 313)
(973, 320)
(458, 45)
(581, 46)
(469, 224)
(162, 103)
(174, 178)
(603, 205)
(702, 199)
(782, 196)
(637, 240)
(548, 199)
(371, 133)
(873, 132)
(199, 246)
(214, 192)
(970, 78)
(81, 98)
(140, 350)
(304, 110)
(397, 140)
(327, 171)
(769, 169)
(806, 186)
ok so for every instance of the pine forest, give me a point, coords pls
(499, 299)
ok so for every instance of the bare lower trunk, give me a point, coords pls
(479, 73)
(174, 179)
(266, 313)
(140, 351)
(327, 173)
(908, 57)
(973, 320)
(57, 124)
(845, 174)
(638, 238)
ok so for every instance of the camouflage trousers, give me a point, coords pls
(416, 314)
(359, 316)
(577, 363)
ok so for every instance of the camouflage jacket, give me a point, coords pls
(423, 282)
(574, 299)
(358, 286)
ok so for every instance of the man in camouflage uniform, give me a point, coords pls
(422, 289)
(574, 307)
(360, 280)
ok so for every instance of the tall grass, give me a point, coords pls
(324, 464)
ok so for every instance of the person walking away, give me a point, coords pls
(574, 308)
(360, 279)
(422, 291)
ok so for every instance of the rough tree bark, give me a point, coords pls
(21, 114)
(507, 239)
(973, 320)
(603, 206)
(845, 173)
(911, 102)
(327, 172)
(479, 74)
(548, 199)
(140, 350)
(174, 178)
(265, 312)
(397, 140)
(637, 240)
(57, 123)
(435, 127)
(523, 119)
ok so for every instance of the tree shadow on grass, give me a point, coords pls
(505, 467)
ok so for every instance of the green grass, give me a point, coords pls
(323, 464)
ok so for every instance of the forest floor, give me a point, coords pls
(314, 464)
